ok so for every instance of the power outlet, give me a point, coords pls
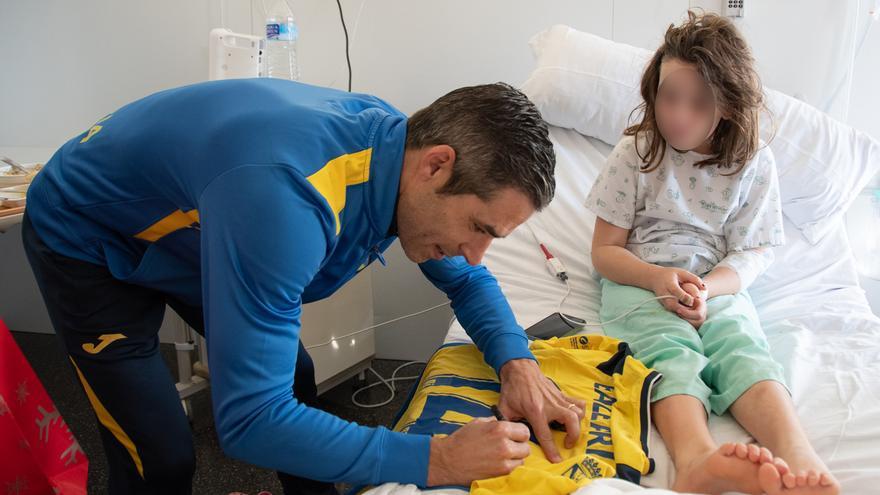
(734, 8)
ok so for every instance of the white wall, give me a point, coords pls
(94, 55)
(66, 64)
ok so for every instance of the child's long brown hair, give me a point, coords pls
(716, 48)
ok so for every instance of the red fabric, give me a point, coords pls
(38, 453)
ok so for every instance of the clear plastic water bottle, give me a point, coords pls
(281, 36)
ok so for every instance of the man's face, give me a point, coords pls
(685, 106)
(432, 225)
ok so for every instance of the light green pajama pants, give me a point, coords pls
(716, 364)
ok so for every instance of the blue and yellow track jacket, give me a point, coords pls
(250, 198)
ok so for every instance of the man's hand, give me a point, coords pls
(527, 394)
(669, 282)
(696, 314)
(483, 448)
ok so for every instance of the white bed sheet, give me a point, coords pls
(816, 318)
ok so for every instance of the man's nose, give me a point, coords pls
(474, 250)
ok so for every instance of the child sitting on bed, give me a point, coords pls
(688, 208)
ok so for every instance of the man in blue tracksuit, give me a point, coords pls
(235, 202)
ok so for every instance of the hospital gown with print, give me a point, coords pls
(687, 216)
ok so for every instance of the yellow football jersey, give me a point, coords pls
(458, 386)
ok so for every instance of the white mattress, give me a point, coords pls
(816, 318)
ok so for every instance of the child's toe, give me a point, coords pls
(781, 466)
(728, 449)
(769, 479)
(789, 480)
(754, 453)
(825, 479)
(802, 478)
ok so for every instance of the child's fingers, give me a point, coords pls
(682, 296)
(686, 276)
(691, 289)
(671, 305)
(688, 313)
(695, 315)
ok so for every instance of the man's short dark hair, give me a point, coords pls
(499, 138)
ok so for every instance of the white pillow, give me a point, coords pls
(585, 82)
(823, 164)
(591, 84)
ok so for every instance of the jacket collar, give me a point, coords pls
(386, 165)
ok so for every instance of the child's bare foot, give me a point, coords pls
(801, 472)
(732, 468)
(780, 480)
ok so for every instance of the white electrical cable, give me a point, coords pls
(564, 279)
(629, 312)
(562, 302)
(388, 383)
(534, 235)
(624, 315)
(352, 334)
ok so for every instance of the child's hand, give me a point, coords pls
(669, 282)
(696, 314)
(695, 291)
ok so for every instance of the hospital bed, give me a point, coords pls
(815, 315)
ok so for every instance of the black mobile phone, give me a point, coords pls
(555, 325)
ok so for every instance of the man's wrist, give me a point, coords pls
(437, 474)
(515, 365)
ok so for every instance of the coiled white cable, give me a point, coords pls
(389, 383)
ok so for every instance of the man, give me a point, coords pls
(235, 202)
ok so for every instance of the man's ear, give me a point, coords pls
(437, 163)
